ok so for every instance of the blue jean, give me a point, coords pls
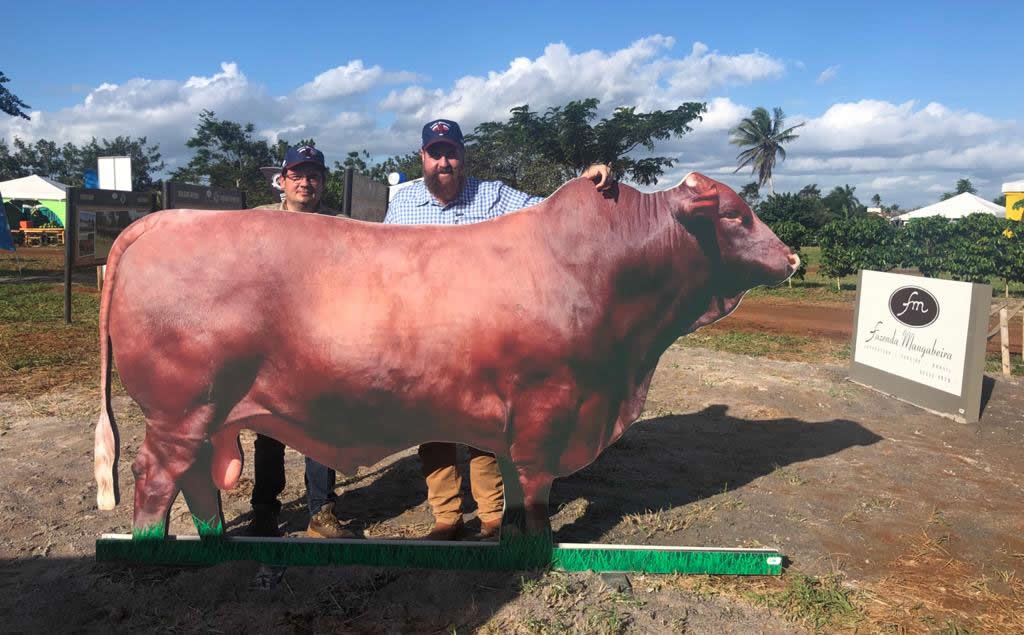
(269, 478)
(320, 481)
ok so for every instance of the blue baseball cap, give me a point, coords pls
(303, 154)
(440, 130)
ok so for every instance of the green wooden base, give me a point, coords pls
(509, 555)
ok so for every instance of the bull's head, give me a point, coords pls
(745, 252)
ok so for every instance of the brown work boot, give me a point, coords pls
(445, 531)
(324, 524)
(489, 530)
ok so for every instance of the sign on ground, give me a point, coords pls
(922, 340)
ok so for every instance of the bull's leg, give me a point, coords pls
(170, 449)
(202, 497)
(526, 500)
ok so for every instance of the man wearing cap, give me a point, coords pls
(449, 196)
(302, 177)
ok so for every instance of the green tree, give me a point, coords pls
(962, 186)
(1000, 200)
(539, 153)
(842, 203)
(146, 159)
(9, 102)
(763, 136)
(860, 242)
(810, 191)
(228, 155)
(876, 200)
(973, 252)
(924, 244)
(807, 211)
(794, 235)
(751, 193)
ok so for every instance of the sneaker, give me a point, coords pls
(324, 524)
(445, 531)
(263, 524)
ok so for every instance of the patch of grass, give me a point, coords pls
(789, 475)
(821, 603)
(37, 350)
(744, 343)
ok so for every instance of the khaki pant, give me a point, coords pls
(444, 482)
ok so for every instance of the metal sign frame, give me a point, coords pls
(188, 196)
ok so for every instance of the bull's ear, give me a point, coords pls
(698, 198)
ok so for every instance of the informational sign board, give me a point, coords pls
(96, 217)
(115, 173)
(922, 340)
(187, 196)
(91, 179)
(365, 199)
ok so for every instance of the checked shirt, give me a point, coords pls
(478, 201)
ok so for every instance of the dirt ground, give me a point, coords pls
(921, 519)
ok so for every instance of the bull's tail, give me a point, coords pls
(107, 446)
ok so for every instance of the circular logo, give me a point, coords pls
(913, 306)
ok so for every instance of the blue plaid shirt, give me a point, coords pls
(478, 201)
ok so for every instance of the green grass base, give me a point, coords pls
(511, 555)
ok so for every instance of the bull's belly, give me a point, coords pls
(362, 435)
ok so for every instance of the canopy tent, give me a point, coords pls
(49, 193)
(956, 207)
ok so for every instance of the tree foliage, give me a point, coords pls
(228, 155)
(537, 153)
(763, 137)
(962, 186)
(842, 203)
(805, 210)
(67, 163)
(923, 244)
(794, 235)
(861, 242)
(9, 102)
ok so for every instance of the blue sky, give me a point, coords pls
(900, 98)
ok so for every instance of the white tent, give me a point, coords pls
(956, 207)
(34, 187)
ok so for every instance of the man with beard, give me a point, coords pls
(449, 196)
(301, 180)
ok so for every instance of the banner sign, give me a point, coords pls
(6, 242)
(922, 340)
(96, 217)
(186, 196)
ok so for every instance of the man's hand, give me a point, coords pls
(600, 174)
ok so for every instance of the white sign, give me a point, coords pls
(115, 173)
(915, 328)
(922, 340)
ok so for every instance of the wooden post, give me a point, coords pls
(1004, 340)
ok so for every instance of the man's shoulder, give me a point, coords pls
(268, 206)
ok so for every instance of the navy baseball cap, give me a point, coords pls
(440, 130)
(303, 154)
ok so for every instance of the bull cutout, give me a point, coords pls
(533, 335)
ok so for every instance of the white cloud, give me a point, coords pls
(828, 74)
(351, 79)
(906, 151)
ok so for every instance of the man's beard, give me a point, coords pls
(445, 191)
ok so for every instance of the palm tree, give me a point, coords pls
(764, 136)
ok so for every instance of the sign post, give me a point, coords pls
(922, 340)
(186, 196)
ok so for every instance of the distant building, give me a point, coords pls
(877, 211)
(1014, 192)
